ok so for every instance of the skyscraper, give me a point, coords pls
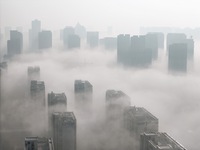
(67, 31)
(93, 39)
(138, 120)
(116, 101)
(64, 130)
(173, 38)
(33, 34)
(38, 143)
(15, 44)
(159, 141)
(74, 41)
(45, 39)
(83, 95)
(177, 57)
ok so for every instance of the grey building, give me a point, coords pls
(159, 141)
(116, 101)
(65, 33)
(64, 130)
(151, 42)
(93, 39)
(33, 34)
(74, 41)
(109, 42)
(80, 31)
(83, 91)
(45, 39)
(173, 38)
(33, 73)
(15, 44)
(37, 89)
(38, 143)
(190, 48)
(177, 57)
(138, 120)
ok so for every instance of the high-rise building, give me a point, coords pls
(138, 120)
(110, 42)
(123, 48)
(93, 39)
(15, 44)
(160, 37)
(38, 92)
(33, 73)
(83, 95)
(151, 42)
(141, 53)
(190, 48)
(74, 41)
(159, 141)
(116, 102)
(38, 143)
(64, 130)
(80, 31)
(33, 34)
(45, 39)
(177, 57)
(173, 38)
(66, 32)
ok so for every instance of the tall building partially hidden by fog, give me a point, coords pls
(123, 48)
(116, 102)
(160, 38)
(37, 89)
(173, 38)
(80, 31)
(74, 41)
(38, 143)
(83, 91)
(109, 42)
(67, 31)
(159, 141)
(57, 102)
(138, 120)
(45, 39)
(33, 34)
(177, 57)
(93, 39)
(151, 42)
(15, 44)
(33, 73)
(190, 48)
(64, 130)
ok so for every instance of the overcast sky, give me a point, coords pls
(122, 15)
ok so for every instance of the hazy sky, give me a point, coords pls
(122, 15)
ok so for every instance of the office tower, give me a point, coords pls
(45, 39)
(159, 141)
(74, 41)
(138, 120)
(83, 95)
(93, 39)
(123, 48)
(33, 73)
(80, 31)
(57, 102)
(160, 38)
(64, 130)
(15, 44)
(173, 38)
(110, 42)
(38, 92)
(190, 48)
(33, 34)
(66, 32)
(151, 42)
(116, 101)
(140, 55)
(38, 143)
(177, 57)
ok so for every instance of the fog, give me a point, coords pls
(173, 99)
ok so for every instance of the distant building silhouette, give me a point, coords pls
(74, 41)
(80, 31)
(159, 141)
(15, 44)
(83, 95)
(116, 102)
(37, 143)
(66, 32)
(151, 42)
(45, 39)
(160, 38)
(109, 42)
(190, 48)
(33, 73)
(64, 130)
(93, 39)
(177, 57)
(33, 34)
(173, 38)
